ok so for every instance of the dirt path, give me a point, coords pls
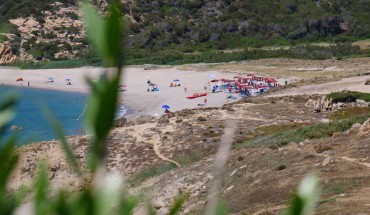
(352, 84)
(158, 153)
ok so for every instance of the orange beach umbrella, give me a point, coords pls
(19, 79)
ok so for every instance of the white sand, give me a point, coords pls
(136, 97)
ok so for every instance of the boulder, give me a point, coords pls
(364, 129)
(310, 103)
(141, 120)
(330, 105)
(362, 103)
(323, 99)
(335, 135)
(6, 54)
(317, 106)
(327, 161)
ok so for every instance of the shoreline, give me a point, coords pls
(136, 97)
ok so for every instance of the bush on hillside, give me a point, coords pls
(348, 96)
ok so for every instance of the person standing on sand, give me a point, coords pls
(28, 85)
(205, 101)
(185, 89)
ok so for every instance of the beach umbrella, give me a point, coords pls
(214, 80)
(176, 80)
(68, 79)
(50, 79)
(19, 79)
(165, 106)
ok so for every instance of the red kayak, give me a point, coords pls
(196, 95)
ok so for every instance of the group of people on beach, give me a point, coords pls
(152, 87)
(175, 85)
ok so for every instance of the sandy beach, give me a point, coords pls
(135, 97)
(194, 77)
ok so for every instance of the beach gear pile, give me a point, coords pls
(152, 87)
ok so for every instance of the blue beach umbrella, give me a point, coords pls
(68, 79)
(176, 80)
(165, 106)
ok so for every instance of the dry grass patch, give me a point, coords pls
(350, 112)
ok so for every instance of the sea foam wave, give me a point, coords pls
(121, 111)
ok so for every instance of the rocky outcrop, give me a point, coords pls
(364, 129)
(362, 103)
(322, 104)
(61, 26)
(6, 54)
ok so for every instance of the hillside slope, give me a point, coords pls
(50, 30)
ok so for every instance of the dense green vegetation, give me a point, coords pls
(349, 96)
(10, 9)
(235, 24)
(319, 130)
(193, 31)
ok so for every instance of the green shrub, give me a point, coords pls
(314, 131)
(348, 96)
(141, 177)
(3, 38)
(72, 15)
(350, 112)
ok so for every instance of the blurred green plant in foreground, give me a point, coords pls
(105, 194)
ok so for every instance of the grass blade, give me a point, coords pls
(304, 200)
(95, 26)
(113, 35)
(41, 198)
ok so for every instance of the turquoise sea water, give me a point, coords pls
(30, 120)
